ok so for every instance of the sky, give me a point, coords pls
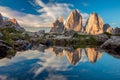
(41, 13)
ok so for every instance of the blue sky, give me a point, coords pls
(40, 13)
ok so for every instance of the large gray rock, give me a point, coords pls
(94, 24)
(10, 23)
(74, 22)
(21, 45)
(116, 31)
(101, 37)
(112, 44)
(58, 26)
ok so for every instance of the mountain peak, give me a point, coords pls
(74, 21)
(94, 24)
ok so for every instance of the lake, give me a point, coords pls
(60, 63)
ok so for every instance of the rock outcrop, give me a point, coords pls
(92, 54)
(107, 28)
(101, 37)
(94, 24)
(10, 23)
(116, 31)
(112, 44)
(74, 22)
(1, 20)
(14, 21)
(58, 26)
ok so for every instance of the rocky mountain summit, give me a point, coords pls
(74, 22)
(10, 23)
(58, 25)
(94, 25)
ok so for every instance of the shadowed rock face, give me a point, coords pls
(94, 24)
(74, 22)
(116, 31)
(73, 56)
(107, 28)
(92, 54)
(58, 26)
(1, 19)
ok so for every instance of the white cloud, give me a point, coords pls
(84, 18)
(48, 13)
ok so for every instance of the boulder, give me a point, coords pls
(112, 44)
(101, 37)
(22, 45)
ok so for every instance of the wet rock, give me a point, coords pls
(21, 45)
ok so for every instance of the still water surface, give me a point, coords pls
(61, 63)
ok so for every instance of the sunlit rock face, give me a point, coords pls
(10, 23)
(92, 54)
(14, 21)
(74, 22)
(94, 24)
(73, 56)
(58, 26)
(1, 19)
(107, 28)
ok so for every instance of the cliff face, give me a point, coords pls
(94, 24)
(107, 28)
(74, 22)
(14, 21)
(58, 26)
(10, 23)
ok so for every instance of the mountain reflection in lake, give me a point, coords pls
(61, 63)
